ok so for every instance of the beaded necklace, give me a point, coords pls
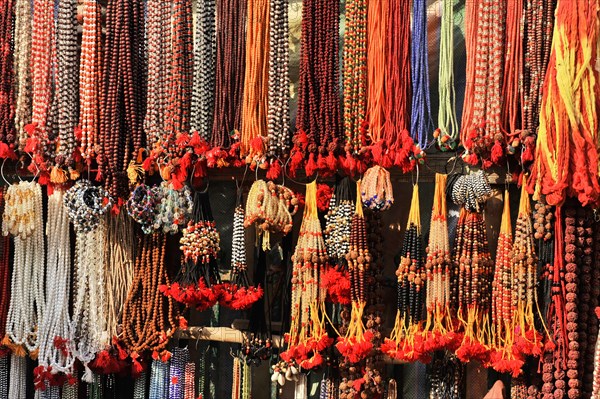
(22, 71)
(503, 308)
(90, 79)
(18, 377)
(42, 62)
(253, 132)
(159, 380)
(4, 378)
(377, 26)
(447, 132)
(67, 84)
(55, 325)
(538, 25)
(179, 359)
(190, 381)
(318, 122)
(139, 387)
(7, 110)
(158, 43)
(421, 122)
(123, 93)
(279, 79)
(230, 60)
(307, 336)
(566, 160)
(90, 303)
(203, 89)
(338, 221)
(355, 74)
(5, 278)
(472, 277)
(27, 302)
(177, 118)
(398, 87)
(143, 330)
(438, 268)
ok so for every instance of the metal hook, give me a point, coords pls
(297, 182)
(2, 172)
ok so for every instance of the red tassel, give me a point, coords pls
(31, 145)
(321, 163)
(30, 128)
(136, 368)
(295, 162)
(331, 162)
(324, 193)
(497, 152)
(182, 139)
(195, 140)
(274, 170)
(147, 164)
(257, 144)
(301, 139)
(311, 165)
(527, 155)
(102, 360)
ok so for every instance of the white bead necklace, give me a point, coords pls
(18, 377)
(90, 310)
(27, 302)
(55, 321)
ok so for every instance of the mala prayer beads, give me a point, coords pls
(142, 206)
(338, 221)
(470, 191)
(7, 110)
(142, 330)
(307, 336)
(22, 72)
(503, 307)
(5, 280)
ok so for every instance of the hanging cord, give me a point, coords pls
(421, 123)
(447, 134)
(377, 26)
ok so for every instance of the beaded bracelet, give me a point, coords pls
(376, 189)
(142, 206)
(86, 204)
(174, 209)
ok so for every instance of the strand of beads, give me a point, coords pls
(4, 381)
(144, 330)
(270, 208)
(18, 377)
(174, 209)
(139, 387)
(67, 83)
(376, 189)
(5, 249)
(27, 302)
(22, 76)
(142, 206)
(190, 381)
(42, 62)
(571, 298)
(231, 58)
(158, 43)
(7, 110)
(179, 359)
(502, 303)
(89, 303)
(279, 79)
(318, 122)
(55, 329)
(90, 79)
(159, 380)
(355, 74)
(307, 334)
(203, 87)
(595, 293)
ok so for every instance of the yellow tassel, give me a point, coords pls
(58, 176)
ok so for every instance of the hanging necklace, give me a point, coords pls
(279, 79)
(22, 50)
(203, 89)
(190, 381)
(5, 279)
(447, 132)
(42, 62)
(89, 80)
(179, 359)
(27, 304)
(253, 132)
(230, 61)
(18, 377)
(158, 39)
(319, 129)
(90, 304)
(55, 329)
(67, 83)
(421, 123)
(159, 379)
(7, 110)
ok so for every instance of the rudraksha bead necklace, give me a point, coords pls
(338, 221)
(22, 73)
(503, 307)
(7, 87)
